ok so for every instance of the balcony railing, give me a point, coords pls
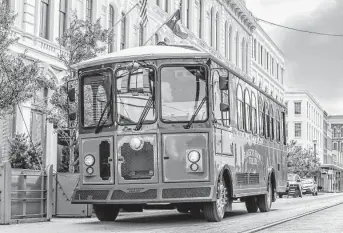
(38, 43)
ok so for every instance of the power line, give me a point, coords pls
(300, 30)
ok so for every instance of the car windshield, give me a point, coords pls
(183, 91)
(133, 93)
(307, 181)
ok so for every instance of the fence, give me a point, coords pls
(64, 185)
(25, 195)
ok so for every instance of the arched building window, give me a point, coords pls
(217, 40)
(200, 19)
(237, 49)
(246, 57)
(226, 39)
(230, 43)
(262, 115)
(243, 54)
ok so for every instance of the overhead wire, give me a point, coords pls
(299, 30)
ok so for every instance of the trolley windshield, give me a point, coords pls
(183, 94)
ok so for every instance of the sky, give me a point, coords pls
(312, 62)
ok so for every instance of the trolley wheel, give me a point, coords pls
(251, 204)
(106, 213)
(280, 195)
(264, 202)
(215, 211)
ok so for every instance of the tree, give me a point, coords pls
(81, 41)
(24, 154)
(302, 161)
(20, 77)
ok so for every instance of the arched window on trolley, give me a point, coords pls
(247, 104)
(253, 113)
(240, 107)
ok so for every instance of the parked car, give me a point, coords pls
(294, 186)
(309, 186)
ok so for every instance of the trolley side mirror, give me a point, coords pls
(224, 107)
(71, 95)
(223, 82)
(72, 116)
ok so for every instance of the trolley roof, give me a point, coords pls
(143, 53)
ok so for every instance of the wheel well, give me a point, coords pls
(228, 180)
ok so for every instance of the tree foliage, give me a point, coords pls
(24, 154)
(81, 41)
(302, 161)
(20, 77)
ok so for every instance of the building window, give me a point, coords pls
(111, 26)
(267, 120)
(158, 3)
(166, 6)
(156, 38)
(62, 22)
(122, 32)
(141, 35)
(89, 7)
(237, 49)
(243, 55)
(240, 106)
(200, 18)
(230, 43)
(226, 39)
(217, 32)
(335, 146)
(297, 108)
(297, 130)
(254, 46)
(188, 6)
(272, 127)
(213, 29)
(44, 19)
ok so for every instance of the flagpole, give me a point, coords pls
(160, 27)
(137, 4)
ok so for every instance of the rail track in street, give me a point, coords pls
(296, 217)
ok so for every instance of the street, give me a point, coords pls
(237, 221)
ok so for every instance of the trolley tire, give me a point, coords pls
(211, 212)
(264, 202)
(251, 204)
(280, 195)
(106, 213)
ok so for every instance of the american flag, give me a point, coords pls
(143, 11)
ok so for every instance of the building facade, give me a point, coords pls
(305, 121)
(267, 64)
(224, 28)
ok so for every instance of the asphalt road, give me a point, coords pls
(237, 221)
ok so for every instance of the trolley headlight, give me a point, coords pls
(89, 170)
(136, 143)
(89, 160)
(193, 156)
(194, 167)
